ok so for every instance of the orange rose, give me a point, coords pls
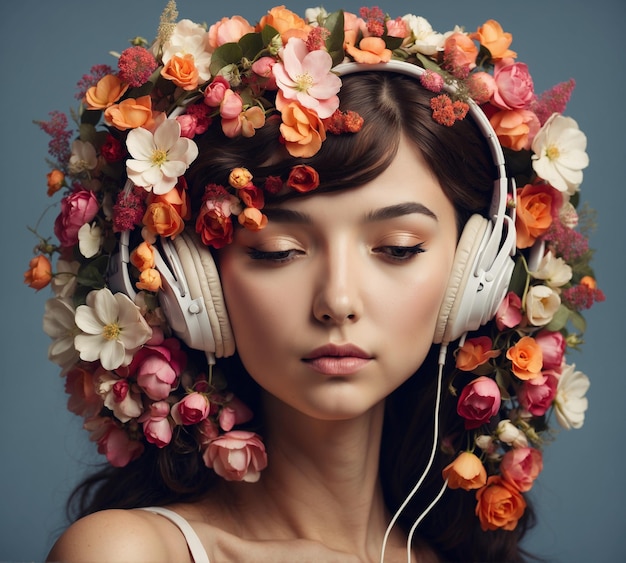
(460, 51)
(515, 128)
(252, 219)
(130, 113)
(527, 358)
(286, 22)
(303, 178)
(589, 282)
(474, 353)
(466, 472)
(535, 209)
(182, 71)
(149, 280)
(105, 93)
(178, 198)
(143, 256)
(165, 216)
(493, 37)
(302, 130)
(499, 505)
(371, 50)
(39, 273)
(56, 179)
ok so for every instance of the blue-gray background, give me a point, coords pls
(46, 46)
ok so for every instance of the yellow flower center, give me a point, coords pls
(553, 152)
(111, 331)
(304, 82)
(159, 157)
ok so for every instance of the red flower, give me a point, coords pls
(303, 178)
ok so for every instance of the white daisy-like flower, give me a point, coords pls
(423, 38)
(112, 329)
(159, 158)
(64, 280)
(90, 239)
(59, 324)
(554, 271)
(83, 157)
(189, 38)
(559, 153)
(124, 402)
(570, 402)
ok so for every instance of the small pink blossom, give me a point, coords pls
(553, 347)
(112, 441)
(478, 402)
(192, 409)
(214, 92)
(263, 67)
(136, 65)
(509, 313)
(481, 86)
(228, 30)
(234, 412)
(514, 85)
(237, 456)
(305, 76)
(80, 386)
(521, 466)
(118, 396)
(397, 28)
(536, 395)
(231, 105)
(156, 426)
(78, 208)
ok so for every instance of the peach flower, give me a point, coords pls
(499, 505)
(475, 352)
(239, 177)
(236, 456)
(493, 37)
(460, 52)
(527, 358)
(302, 130)
(515, 128)
(39, 272)
(55, 181)
(371, 50)
(244, 124)
(287, 23)
(142, 257)
(182, 71)
(509, 313)
(149, 280)
(130, 113)
(465, 472)
(536, 208)
(228, 30)
(252, 219)
(521, 466)
(161, 218)
(105, 93)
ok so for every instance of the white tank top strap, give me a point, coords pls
(198, 553)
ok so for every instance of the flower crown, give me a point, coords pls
(123, 168)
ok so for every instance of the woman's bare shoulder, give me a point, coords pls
(120, 535)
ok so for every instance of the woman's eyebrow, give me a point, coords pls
(281, 215)
(399, 210)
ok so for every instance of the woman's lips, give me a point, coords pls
(333, 359)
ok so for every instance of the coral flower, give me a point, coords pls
(521, 466)
(527, 358)
(491, 36)
(302, 130)
(475, 352)
(371, 50)
(286, 22)
(39, 272)
(130, 113)
(182, 71)
(536, 207)
(106, 92)
(159, 158)
(465, 472)
(499, 505)
(305, 76)
(112, 329)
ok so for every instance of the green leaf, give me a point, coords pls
(428, 63)
(268, 33)
(334, 43)
(90, 117)
(87, 132)
(92, 274)
(227, 54)
(251, 45)
(519, 278)
(578, 321)
(560, 319)
(392, 43)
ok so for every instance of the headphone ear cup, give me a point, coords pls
(465, 260)
(203, 280)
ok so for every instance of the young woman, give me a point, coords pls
(360, 221)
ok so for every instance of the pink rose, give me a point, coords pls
(237, 456)
(214, 92)
(156, 426)
(112, 441)
(78, 208)
(192, 409)
(478, 402)
(234, 412)
(515, 89)
(521, 466)
(231, 106)
(158, 367)
(228, 30)
(536, 395)
(207, 431)
(481, 86)
(263, 67)
(553, 348)
(509, 313)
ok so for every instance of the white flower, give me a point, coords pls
(554, 271)
(315, 16)
(58, 324)
(112, 329)
(189, 38)
(83, 157)
(159, 158)
(570, 402)
(510, 434)
(90, 239)
(559, 153)
(422, 39)
(125, 403)
(64, 280)
(542, 302)
(568, 215)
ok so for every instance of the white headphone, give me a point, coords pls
(192, 298)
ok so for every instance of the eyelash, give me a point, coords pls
(278, 256)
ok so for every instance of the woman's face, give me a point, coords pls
(334, 304)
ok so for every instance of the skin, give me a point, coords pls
(369, 267)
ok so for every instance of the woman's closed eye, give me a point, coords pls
(274, 256)
(397, 253)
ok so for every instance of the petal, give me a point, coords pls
(138, 166)
(87, 321)
(167, 134)
(111, 354)
(89, 346)
(106, 306)
(140, 143)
